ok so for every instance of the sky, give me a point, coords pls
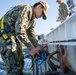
(42, 26)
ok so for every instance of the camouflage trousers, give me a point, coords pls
(11, 60)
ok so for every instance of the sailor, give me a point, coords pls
(63, 11)
(17, 27)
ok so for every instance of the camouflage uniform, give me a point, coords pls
(21, 18)
(63, 11)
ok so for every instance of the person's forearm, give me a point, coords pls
(28, 44)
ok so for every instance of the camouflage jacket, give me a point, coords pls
(21, 17)
(63, 11)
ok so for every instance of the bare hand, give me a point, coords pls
(38, 49)
(32, 50)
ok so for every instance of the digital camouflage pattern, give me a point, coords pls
(63, 11)
(21, 19)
